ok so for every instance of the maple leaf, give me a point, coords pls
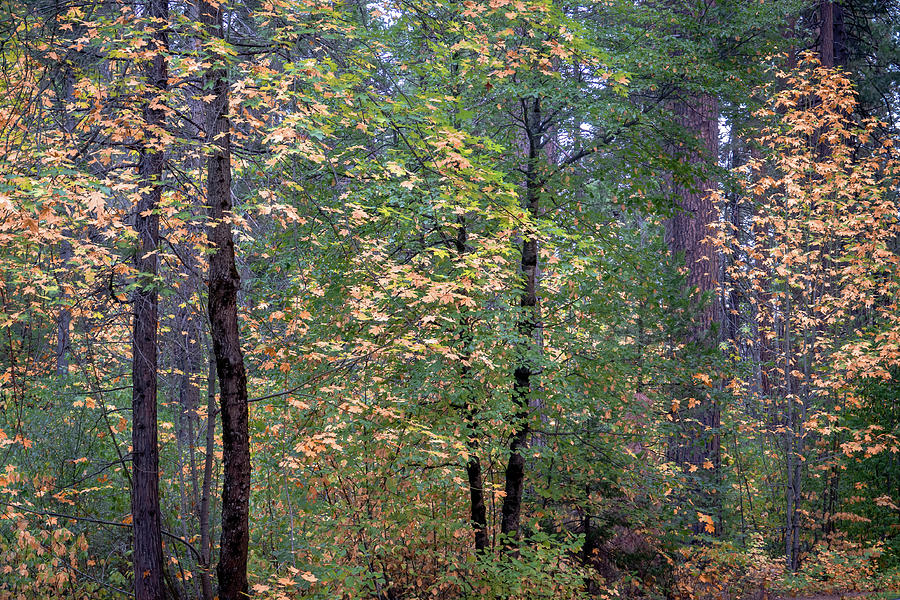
(703, 378)
(707, 520)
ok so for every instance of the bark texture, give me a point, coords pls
(688, 228)
(148, 555)
(224, 283)
(696, 444)
(833, 40)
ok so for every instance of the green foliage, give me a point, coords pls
(383, 158)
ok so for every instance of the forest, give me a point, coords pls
(439, 299)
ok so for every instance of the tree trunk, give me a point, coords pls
(64, 319)
(476, 498)
(528, 325)
(473, 465)
(696, 444)
(188, 361)
(145, 510)
(206, 490)
(826, 33)
(832, 44)
(687, 230)
(224, 282)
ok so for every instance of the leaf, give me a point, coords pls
(708, 524)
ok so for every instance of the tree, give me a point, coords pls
(696, 444)
(224, 283)
(145, 508)
(434, 257)
(822, 232)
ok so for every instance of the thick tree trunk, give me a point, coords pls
(145, 510)
(832, 42)
(826, 33)
(696, 444)
(687, 230)
(510, 513)
(224, 282)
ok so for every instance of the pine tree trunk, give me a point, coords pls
(687, 230)
(145, 510)
(224, 282)
(826, 33)
(696, 445)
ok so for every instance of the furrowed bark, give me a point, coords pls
(224, 283)
(145, 510)
(696, 443)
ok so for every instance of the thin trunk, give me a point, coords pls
(145, 510)
(473, 465)
(793, 445)
(476, 497)
(188, 361)
(64, 319)
(510, 512)
(224, 282)
(206, 490)
(194, 356)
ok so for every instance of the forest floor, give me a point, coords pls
(832, 596)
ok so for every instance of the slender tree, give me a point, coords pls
(224, 283)
(145, 509)
(511, 510)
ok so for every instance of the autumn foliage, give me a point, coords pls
(464, 286)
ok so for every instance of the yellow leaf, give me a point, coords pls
(703, 378)
(707, 520)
